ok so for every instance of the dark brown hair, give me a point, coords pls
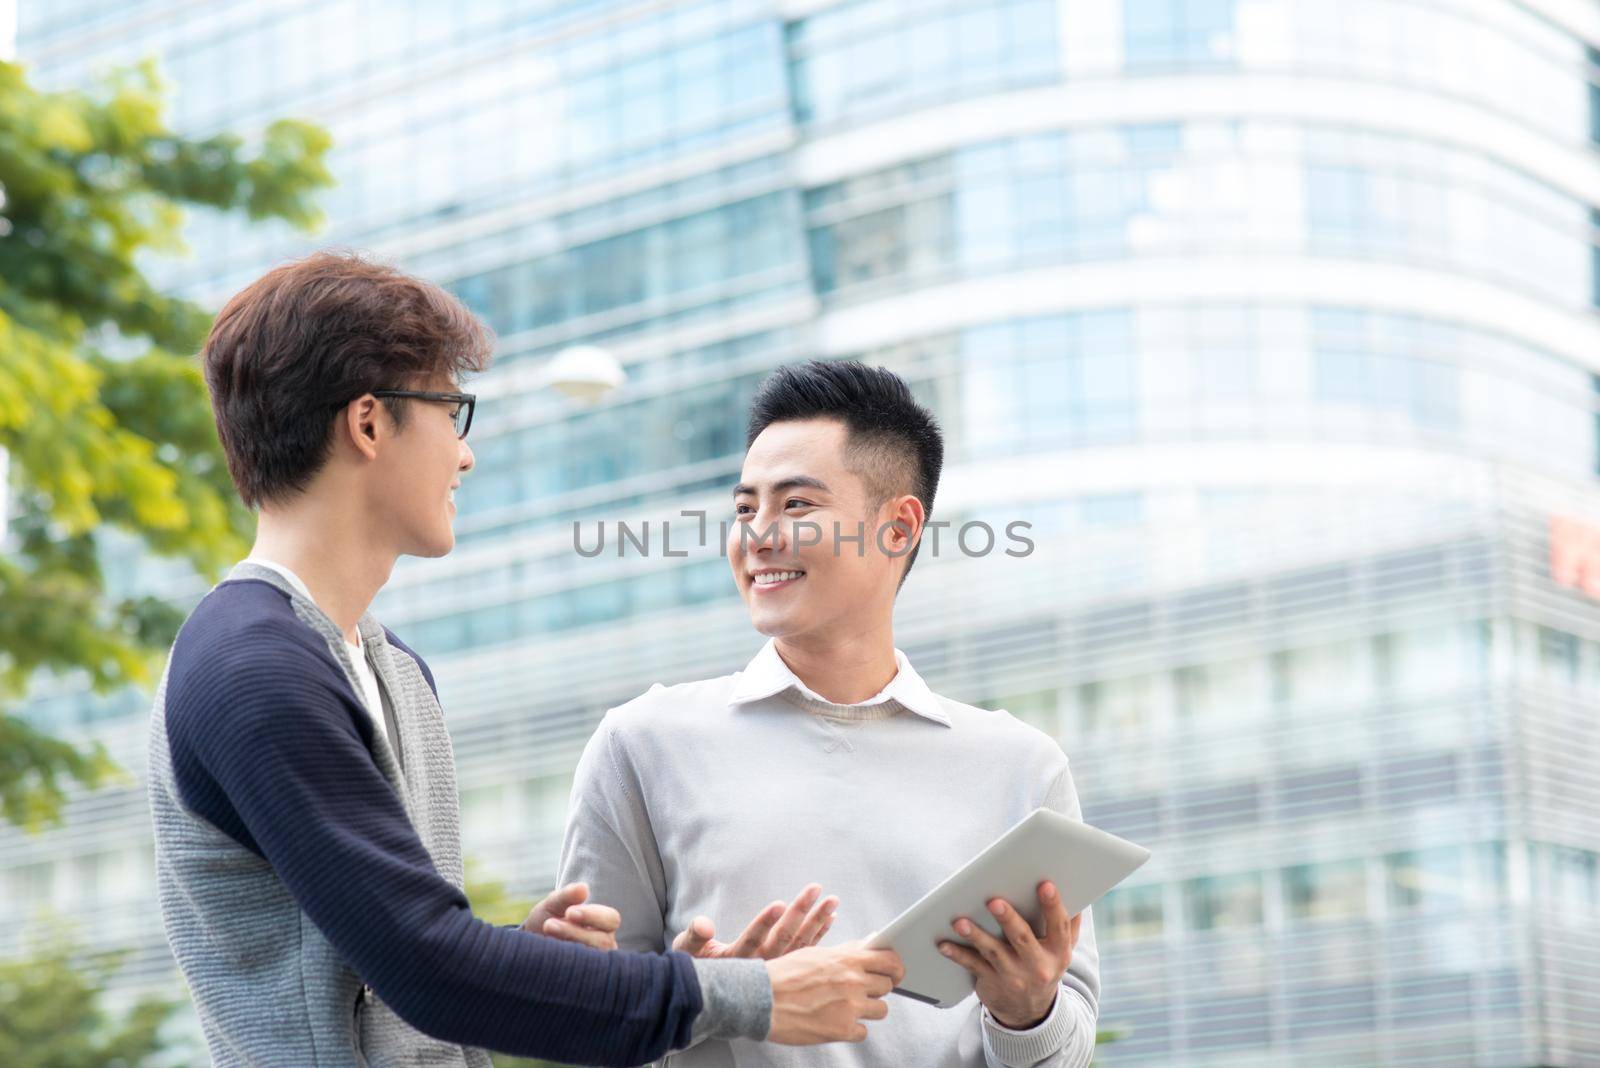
(308, 337)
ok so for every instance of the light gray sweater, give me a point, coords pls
(687, 804)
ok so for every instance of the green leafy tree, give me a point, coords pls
(103, 412)
(51, 1014)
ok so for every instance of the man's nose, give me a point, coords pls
(467, 460)
(769, 536)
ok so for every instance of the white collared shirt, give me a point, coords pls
(719, 797)
(768, 674)
(371, 694)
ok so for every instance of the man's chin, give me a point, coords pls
(434, 547)
(775, 624)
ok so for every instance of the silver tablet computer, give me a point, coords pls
(1084, 862)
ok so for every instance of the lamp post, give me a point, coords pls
(586, 373)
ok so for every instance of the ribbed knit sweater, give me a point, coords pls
(311, 889)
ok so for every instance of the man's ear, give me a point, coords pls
(907, 515)
(361, 424)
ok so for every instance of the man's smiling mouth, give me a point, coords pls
(765, 579)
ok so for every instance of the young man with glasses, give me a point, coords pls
(301, 779)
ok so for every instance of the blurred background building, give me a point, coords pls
(1275, 318)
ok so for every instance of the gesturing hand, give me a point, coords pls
(564, 914)
(1017, 979)
(822, 993)
(775, 930)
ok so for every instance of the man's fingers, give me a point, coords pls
(557, 902)
(571, 933)
(783, 933)
(571, 894)
(1016, 929)
(748, 942)
(595, 917)
(820, 917)
(882, 962)
(879, 985)
(1057, 924)
(994, 951)
(967, 957)
(693, 939)
(876, 1009)
(822, 932)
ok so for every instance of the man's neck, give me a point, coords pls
(332, 553)
(843, 668)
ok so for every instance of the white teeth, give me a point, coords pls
(769, 577)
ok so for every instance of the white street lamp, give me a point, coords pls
(586, 373)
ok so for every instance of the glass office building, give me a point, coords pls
(1275, 319)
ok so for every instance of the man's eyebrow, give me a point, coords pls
(792, 482)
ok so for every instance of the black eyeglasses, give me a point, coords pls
(464, 402)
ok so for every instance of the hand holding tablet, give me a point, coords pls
(1082, 861)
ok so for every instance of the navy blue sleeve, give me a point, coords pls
(265, 745)
(421, 663)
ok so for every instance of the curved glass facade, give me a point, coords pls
(1275, 320)
(1201, 189)
(1502, 57)
(876, 58)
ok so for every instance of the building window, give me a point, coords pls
(877, 57)
(1558, 656)
(1593, 68)
(1594, 252)
(1594, 381)
(1428, 880)
(1326, 891)
(33, 885)
(485, 816)
(1131, 912)
(1168, 33)
(1419, 661)
(1111, 509)
(1115, 706)
(1056, 381)
(1376, 363)
(1221, 902)
(1570, 879)
(1332, 676)
(684, 260)
(545, 802)
(1037, 709)
(1212, 694)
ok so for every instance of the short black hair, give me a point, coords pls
(893, 442)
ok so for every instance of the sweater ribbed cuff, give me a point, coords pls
(736, 999)
(1021, 1049)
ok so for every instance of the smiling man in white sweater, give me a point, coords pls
(828, 761)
